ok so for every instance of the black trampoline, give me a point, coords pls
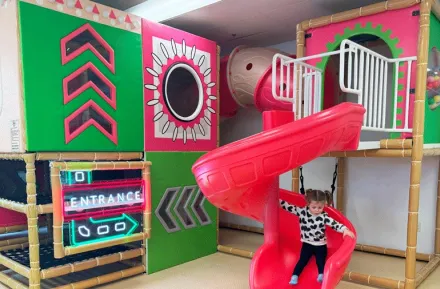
(47, 259)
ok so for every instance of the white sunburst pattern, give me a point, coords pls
(166, 125)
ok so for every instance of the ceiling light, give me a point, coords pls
(161, 10)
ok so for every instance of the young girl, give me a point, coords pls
(312, 220)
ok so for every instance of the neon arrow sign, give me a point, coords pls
(89, 231)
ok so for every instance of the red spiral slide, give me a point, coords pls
(242, 178)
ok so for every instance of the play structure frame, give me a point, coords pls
(63, 161)
(59, 250)
(396, 148)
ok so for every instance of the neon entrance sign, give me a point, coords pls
(90, 230)
(103, 199)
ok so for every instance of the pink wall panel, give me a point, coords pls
(180, 80)
(399, 27)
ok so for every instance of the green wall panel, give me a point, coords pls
(165, 250)
(432, 111)
(41, 31)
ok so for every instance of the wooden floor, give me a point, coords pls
(221, 271)
(366, 263)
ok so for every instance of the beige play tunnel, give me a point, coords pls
(249, 78)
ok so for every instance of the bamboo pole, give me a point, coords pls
(13, 229)
(396, 144)
(16, 228)
(88, 156)
(126, 165)
(5, 279)
(45, 209)
(21, 246)
(300, 52)
(382, 153)
(92, 247)
(131, 262)
(417, 149)
(427, 270)
(391, 252)
(340, 193)
(59, 250)
(105, 278)
(371, 280)
(146, 176)
(14, 206)
(218, 130)
(356, 13)
(236, 252)
(13, 241)
(15, 157)
(57, 226)
(359, 247)
(14, 266)
(218, 95)
(378, 153)
(14, 247)
(31, 179)
(437, 222)
(32, 216)
(91, 263)
(355, 277)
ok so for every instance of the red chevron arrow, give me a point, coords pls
(81, 40)
(90, 114)
(88, 76)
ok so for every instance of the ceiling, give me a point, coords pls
(257, 22)
(250, 22)
(120, 4)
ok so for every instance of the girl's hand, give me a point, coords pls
(349, 233)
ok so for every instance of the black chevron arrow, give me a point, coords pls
(181, 208)
(163, 210)
(90, 114)
(88, 76)
(199, 210)
(87, 38)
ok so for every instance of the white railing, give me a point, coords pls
(362, 72)
(309, 88)
(365, 73)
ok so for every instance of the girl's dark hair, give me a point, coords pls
(319, 196)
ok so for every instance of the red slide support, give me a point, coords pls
(242, 178)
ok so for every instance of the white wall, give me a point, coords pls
(376, 188)
(248, 122)
(11, 139)
(288, 47)
(377, 201)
